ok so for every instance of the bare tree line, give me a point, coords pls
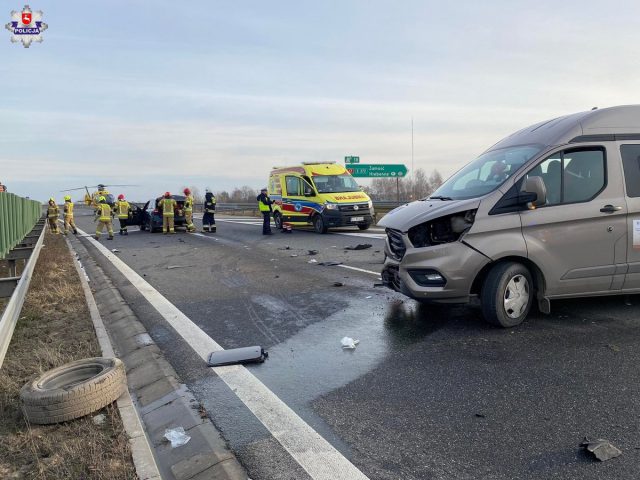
(413, 187)
(418, 185)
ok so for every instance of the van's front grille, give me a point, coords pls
(362, 207)
(396, 243)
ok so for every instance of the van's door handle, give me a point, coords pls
(610, 209)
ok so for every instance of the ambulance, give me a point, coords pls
(322, 195)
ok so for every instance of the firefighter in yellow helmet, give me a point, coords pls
(68, 216)
(122, 209)
(168, 206)
(103, 214)
(188, 210)
(52, 215)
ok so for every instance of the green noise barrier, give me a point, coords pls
(17, 218)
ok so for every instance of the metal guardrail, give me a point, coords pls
(16, 287)
(17, 217)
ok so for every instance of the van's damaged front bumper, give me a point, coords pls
(440, 273)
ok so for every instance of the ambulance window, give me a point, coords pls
(631, 164)
(276, 185)
(294, 186)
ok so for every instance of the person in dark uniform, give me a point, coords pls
(209, 219)
(264, 204)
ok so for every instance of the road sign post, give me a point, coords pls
(390, 170)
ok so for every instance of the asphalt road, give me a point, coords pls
(429, 393)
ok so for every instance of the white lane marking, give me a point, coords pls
(314, 454)
(377, 274)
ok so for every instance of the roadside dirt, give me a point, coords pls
(55, 328)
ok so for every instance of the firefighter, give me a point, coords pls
(122, 209)
(168, 206)
(264, 204)
(208, 219)
(52, 215)
(188, 210)
(68, 216)
(104, 213)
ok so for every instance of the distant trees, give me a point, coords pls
(414, 187)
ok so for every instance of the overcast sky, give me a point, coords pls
(164, 94)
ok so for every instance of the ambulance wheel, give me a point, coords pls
(318, 224)
(364, 227)
(277, 218)
(507, 294)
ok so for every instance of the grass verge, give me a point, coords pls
(55, 328)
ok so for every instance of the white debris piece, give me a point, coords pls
(99, 419)
(176, 436)
(348, 342)
(313, 260)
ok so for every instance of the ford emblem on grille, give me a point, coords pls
(356, 207)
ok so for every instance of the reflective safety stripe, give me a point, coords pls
(188, 204)
(105, 212)
(168, 204)
(123, 209)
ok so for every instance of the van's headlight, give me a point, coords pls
(441, 230)
(370, 203)
(331, 206)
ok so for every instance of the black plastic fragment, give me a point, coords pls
(255, 354)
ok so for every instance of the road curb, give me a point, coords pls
(143, 459)
(159, 399)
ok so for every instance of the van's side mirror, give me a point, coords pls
(534, 193)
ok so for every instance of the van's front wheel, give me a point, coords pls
(507, 294)
(318, 224)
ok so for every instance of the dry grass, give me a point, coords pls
(55, 328)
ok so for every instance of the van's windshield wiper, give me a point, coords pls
(440, 197)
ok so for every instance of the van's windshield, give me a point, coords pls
(486, 173)
(335, 183)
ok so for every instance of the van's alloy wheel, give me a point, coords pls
(73, 390)
(507, 294)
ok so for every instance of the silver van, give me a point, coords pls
(552, 211)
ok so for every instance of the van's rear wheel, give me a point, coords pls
(507, 294)
(277, 219)
(318, 224)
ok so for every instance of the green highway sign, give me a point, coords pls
(351, 159)
(380, 171)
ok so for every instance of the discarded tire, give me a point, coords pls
(73, 390)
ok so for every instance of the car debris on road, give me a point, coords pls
(255, 354)
(601, 449)
(349, 343)
(360, 246)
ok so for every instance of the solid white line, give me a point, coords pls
(377, 274)
(314, 454)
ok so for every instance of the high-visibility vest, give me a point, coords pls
(105, 212)
(122, 207)
(168, 205)
(68, 209)
(262, 206)
(188, 204)
(52, 211)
